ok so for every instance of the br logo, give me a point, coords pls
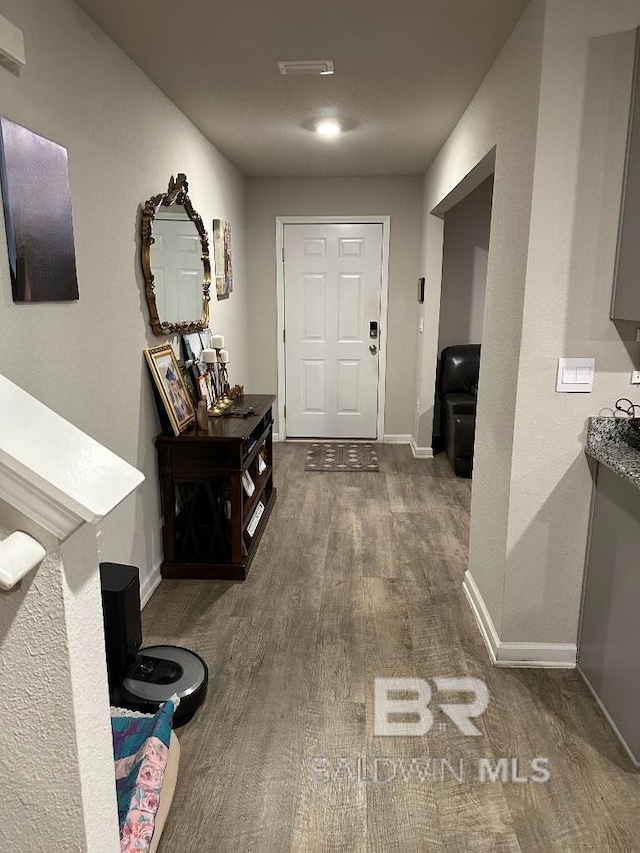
(411, 697)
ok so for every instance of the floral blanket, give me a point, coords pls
(140, 747)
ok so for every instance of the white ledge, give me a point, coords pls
(53, 472)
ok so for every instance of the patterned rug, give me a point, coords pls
(331, 456)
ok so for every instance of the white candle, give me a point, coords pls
(210, 356)
(217, 341)
(223, 356)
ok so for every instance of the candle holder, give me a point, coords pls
(216, 360)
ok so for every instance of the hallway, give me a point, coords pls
(359, 576)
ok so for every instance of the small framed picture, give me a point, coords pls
(187, 378)
(421, 290)
(222, 257)
(170, 387)
(205, 338)
(192, 346)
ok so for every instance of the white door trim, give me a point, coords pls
(385, 221)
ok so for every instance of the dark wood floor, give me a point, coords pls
(360, 576)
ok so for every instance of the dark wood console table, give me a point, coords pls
(212, 525)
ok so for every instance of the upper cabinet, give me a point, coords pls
(625, 304)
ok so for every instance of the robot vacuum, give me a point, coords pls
(142, 678)
(159, 672)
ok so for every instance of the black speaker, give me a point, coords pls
(122, 622)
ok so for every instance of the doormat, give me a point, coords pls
(328, 456)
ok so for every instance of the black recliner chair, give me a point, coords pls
(457, 392)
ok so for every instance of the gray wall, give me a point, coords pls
(554, 111)
(125, 139)
(400, 198)
(464, 268)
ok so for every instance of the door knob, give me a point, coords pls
(373, 349)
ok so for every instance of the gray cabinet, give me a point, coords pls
(625, 304)
(609, 642)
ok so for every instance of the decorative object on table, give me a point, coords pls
(222, 255)
(341, 456)
(187, 378)
(192, 344)
(223, 361)
(170, 387)
(421, 290)
(216, 360)
(236, 393)
(204, 389)
(192, 348)
(235, 411)
(34, 174)
(175, 261)
(202, 415)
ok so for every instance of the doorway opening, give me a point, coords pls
(467, 227)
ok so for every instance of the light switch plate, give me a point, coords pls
(575, 375)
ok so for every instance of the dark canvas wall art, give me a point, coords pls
(34, 176)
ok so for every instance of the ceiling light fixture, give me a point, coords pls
(329, 128)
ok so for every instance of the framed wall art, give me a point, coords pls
(222, 257)
(34, 174)
(170, 387)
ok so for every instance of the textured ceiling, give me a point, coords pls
(405, 71)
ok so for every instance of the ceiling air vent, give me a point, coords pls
(307, 66)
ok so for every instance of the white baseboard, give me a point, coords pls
(627, 748)
(276, 436)
(546, 655)
(396, 439)
(150, 584)
(420, 452)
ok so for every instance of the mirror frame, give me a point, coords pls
(178, 193)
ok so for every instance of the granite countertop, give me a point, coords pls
(612, 442)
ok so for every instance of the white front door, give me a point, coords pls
(332, 292)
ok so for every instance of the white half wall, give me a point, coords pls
(400, 198)
(125, 140)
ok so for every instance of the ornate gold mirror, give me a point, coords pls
(175, 262)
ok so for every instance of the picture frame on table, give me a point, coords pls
(192, 348)
(204, 388)
(187, 378)
(192, 345)
(205, 338)
(169, 385)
